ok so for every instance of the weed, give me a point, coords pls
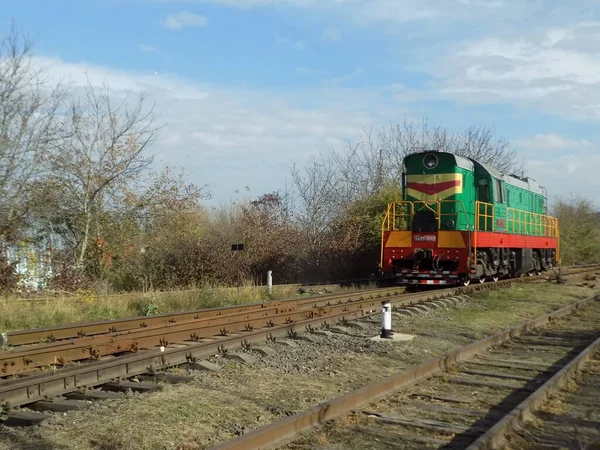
(150, 309)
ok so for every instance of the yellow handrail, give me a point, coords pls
(488, 213)
(399, 215)
(524, 222)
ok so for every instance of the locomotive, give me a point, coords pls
(462, 221)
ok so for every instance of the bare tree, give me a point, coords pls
(375, 160)
(102, 146)
(342, 194)
(479, 143)
(28, 109)
(317, 200)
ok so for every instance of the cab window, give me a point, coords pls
(499, 191)
(484, 190)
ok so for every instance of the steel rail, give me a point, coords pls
(285, 430)
(496, 436)
(65, 352)
(71, 331)
(23, 391)
(33, 336)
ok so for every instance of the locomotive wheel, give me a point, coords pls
(466, 281)
(495, 278)
(481, 279)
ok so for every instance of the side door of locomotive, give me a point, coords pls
(500, 204)
(484, 206)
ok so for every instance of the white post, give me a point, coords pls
(270, 281)
(386, 319)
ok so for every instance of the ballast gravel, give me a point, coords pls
(220, 405)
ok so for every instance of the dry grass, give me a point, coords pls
(16, 313)
(220, 405)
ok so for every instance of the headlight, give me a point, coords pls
(430, 161)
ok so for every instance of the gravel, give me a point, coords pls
(221, 405)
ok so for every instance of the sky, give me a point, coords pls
(247, 88)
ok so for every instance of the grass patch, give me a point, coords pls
(16, 313)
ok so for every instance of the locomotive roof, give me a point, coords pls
(468, 163)
(523, 183)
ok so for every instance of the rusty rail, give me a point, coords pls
(62, 353)
(262, 316)
(73, 331)
(285, 430)
(496, 436)
(19, 392)
(94, 347)
(33, 336)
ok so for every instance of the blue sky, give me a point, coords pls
(249, 87)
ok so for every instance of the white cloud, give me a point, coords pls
(184, 19)
(545, 142)
(332, 34)
(147, 48)
(393, 11)
(535, 55)
(339, 80)
(565, 166)
(77, 74)
(567, 174)
(230, 137)
(555, 70)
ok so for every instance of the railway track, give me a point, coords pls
(213, 324)
(570, 418)
(473, 398)
(71, 331)
(75, 379)
(96, 340)
(78, 330)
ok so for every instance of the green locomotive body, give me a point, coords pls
(461, 220)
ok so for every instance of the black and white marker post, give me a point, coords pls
(386, 320)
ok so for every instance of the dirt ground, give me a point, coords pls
(219, 406)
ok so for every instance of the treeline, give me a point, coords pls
(579, 223)
(81, 207)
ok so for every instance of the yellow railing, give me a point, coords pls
(484, 211)
(398, 217)
(524, 222)
(399, 214)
